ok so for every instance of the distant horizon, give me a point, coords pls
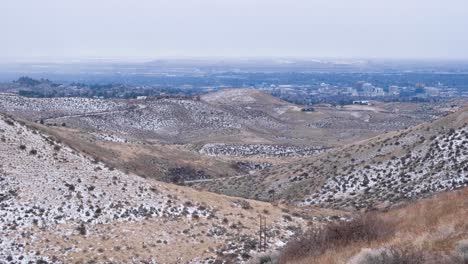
(123, 59)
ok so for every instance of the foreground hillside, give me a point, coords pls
(430, 231)
(59, 205)
(378, 172)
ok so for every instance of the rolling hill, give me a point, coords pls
(227, 133)
(236, 116)
(376, 172)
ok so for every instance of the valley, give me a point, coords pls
(213, 134)
(186, 179)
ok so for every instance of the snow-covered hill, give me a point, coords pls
(58, 205)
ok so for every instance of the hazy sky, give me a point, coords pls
(279, 28)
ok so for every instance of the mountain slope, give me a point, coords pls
(59, 205)
(378, 172)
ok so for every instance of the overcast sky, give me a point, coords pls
(234, 28)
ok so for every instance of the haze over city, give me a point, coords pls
(149, 29)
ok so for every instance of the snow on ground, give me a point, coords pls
(241, 150)
(45, 184)
(50, 192)
(233, 95)
(62, 106)
(110, 137)
(429, 168)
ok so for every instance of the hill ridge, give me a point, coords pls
(394, 167)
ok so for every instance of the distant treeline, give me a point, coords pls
(44, 88)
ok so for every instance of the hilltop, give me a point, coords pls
(248, 97)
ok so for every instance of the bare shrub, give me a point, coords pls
(334, 235)
(460, 254)
(81, 229)
(391, 255)
(243, 204)
(266, 258)
(9, 122)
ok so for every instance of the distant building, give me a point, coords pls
(361, 103)
(378, 92)
(308, 109)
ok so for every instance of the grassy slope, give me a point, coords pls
(433, 225)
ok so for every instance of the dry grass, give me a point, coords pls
(315, 242)
(434, 226)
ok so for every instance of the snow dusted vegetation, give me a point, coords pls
(222, 149)
(45, 185)
(109, 137)
(170, 119)
(57, 205)
(61, 106)
(439, 166)
(166, 118)
(232, 95)
(237, 116)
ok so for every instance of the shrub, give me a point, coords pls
(460, 254)
(9, 122)
(243, 204)
(81, 229)
(391, 255)
(316, 241)
(33, 152)
(22, 147)
(195, 215)
(266, 258)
